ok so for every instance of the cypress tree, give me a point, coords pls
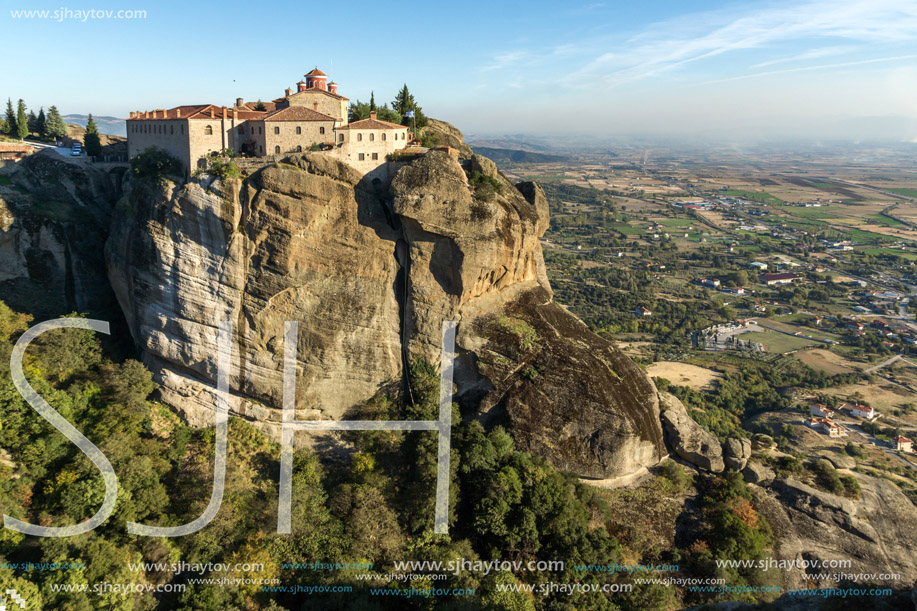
(40, 123)
(22, 122)
(372, 101)
(91, 139)
(10, 118)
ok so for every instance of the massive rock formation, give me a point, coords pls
(875, 532)
(370, 272)
(687, 439)
(54, 217)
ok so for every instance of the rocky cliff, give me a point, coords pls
(54, 218)
(370, 272)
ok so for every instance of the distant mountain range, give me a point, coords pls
(107, 125)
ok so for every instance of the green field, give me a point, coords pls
(755, 196)
(905, 192)
(904, 254)
(881, 219)
(778, 342)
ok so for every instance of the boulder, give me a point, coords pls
(841, 461)
(687, 438)
(758, 473)
(736, 453)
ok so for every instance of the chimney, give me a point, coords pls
(178, 113)
(333, 87)
(211, 112)
(239, 102)
(289, 91)
(132, 114)
(315, 106)
(372, 114)
(302, 85)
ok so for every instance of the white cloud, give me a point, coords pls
(668, 45)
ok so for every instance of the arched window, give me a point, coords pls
(171, 130)
(298, 131)
(383, 135)
(372, 137)
(340, 137)
(208, 130)
(277, 149)
(298, 148)
(359, 137)
(321, 130)
(277, 129)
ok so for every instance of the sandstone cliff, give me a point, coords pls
(54, 218)
(370, 271)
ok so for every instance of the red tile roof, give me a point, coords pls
(268, 106)
(316, 90)
(297, 113)
(372, 124)
(316, 72)
(197, 111)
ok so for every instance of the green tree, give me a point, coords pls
(22, 122)
(372, 101)
(10, 118)
(55, 126)
(41, 123)
(91, 139)
(32, 121)
(405, 102)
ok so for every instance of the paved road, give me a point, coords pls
(895, 358)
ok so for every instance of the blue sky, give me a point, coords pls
(825, 68)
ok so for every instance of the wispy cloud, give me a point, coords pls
(505, 60)
(875, 60)
(807, 55)
(588, 9)
(668, 45)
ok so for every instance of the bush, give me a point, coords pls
(223, 165)
(485, 187)
(155, 163)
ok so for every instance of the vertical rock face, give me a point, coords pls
(54, 216)
(302, 243)
(370, 273)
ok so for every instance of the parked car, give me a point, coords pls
(76, 150)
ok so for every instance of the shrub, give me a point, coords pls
(155, 163)
(485, 187)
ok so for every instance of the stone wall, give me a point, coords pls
(169, 135)
(326, 103)
(281, 136)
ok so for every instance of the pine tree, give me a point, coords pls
(372, 101)
(405, 102)
(22, 122)
(10, 118)
(91, 140)
(54, 125)
(41, 123)
(32, 122)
